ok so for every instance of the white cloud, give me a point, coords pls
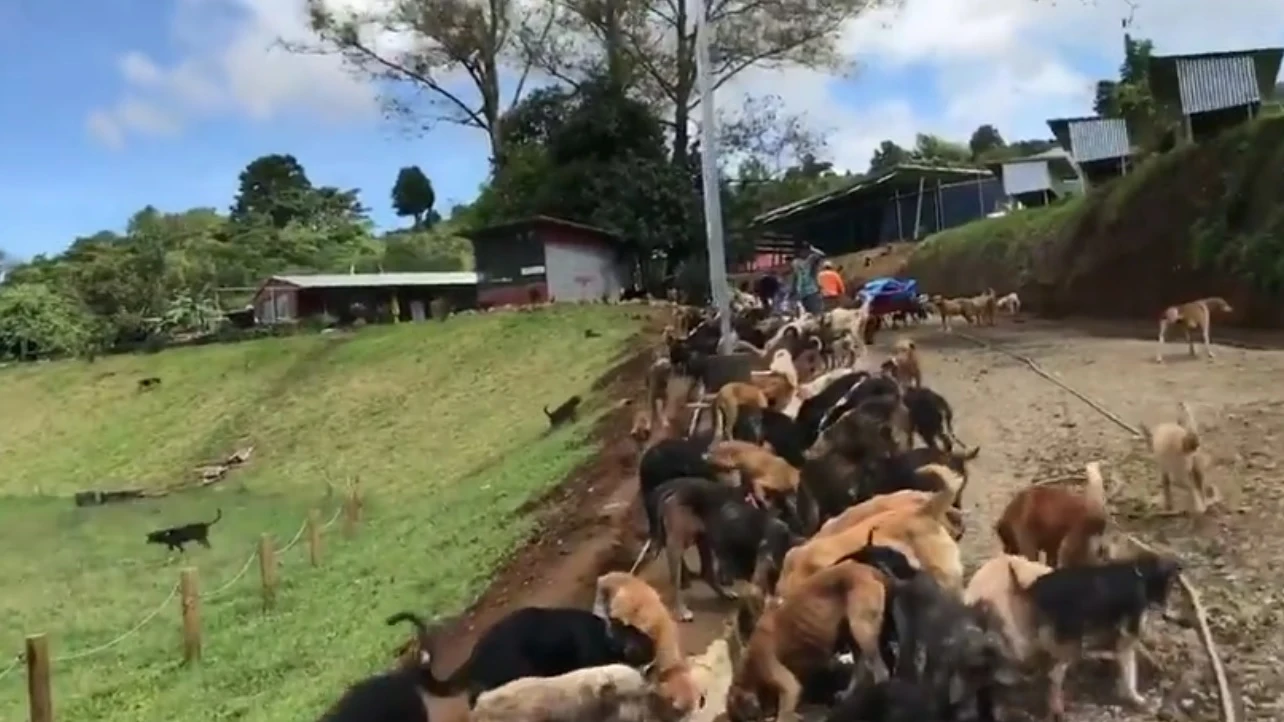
(1012, 63)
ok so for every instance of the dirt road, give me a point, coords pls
(1030, 429)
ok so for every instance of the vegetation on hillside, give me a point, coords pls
(442, 428)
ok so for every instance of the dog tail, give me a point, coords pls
(1191, 442)
(546, 413)
(218, 514)
(1095, 491)
(943, 499)
(449, 687)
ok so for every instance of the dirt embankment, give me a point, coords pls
(1203, 220)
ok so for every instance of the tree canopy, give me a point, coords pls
(413, 195)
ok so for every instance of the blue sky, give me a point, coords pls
(115, 104)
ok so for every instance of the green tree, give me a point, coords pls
(1130, 97)
(425, 251)
(413, 195)
(935, 150)
(985, 140)
(274, 187)
(37, 322)
(886, 156)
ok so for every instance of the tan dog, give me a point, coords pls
(657, 384)
(948, 307)
(1010, 304)
(799, 634)
(903, 499)
(922, 533)
(776, 388)
(986, 307)
(630, 600)
(731, 398)
(905, 359)
(767, 476)
(1177, 454)
(993, 585)
(615, 692)
(1066, 526)
(1192, 315)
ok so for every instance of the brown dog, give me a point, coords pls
(1192, 315)
(731, 398)
(630, 600)
(799, 634)
(947, 307)
(905, 360)
(1064, 525)
(1179, 458)
(920, 532)
(903, 499)
(995, 585)
(767, 476)
(986, 306)
(775, 386)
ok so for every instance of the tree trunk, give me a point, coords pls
(682, 90)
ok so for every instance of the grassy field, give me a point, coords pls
(441, 422)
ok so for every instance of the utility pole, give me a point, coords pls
(709, 170)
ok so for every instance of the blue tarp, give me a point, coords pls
(898, 289)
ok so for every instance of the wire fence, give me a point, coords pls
(351, 507)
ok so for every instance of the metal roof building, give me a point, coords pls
(1215, 90)
(1036, 179)
(906, 202)
(1100, 147)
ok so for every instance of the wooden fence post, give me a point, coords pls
(39, 695)
(190, 597)
(314, 537)
(267, 570)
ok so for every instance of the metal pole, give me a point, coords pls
(709, 171)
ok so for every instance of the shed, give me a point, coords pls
(1036, 179)
(353, 295)
(906, 202)
(546, 259)
(1215, 91)
(1099, 146)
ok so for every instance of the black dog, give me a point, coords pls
(779, 430)
(812, 411)
(564, 413)
(533, 642)
(670, 459)
(892, 700)
(395, 696)
(176, 536)
(931, 417)
(148, 383)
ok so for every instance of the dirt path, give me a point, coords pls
(1030, 429)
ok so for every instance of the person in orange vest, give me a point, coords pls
(832, 288)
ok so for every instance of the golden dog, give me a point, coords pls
(1177, 454)
(905, 359)
(1191, 316)
(731, 398)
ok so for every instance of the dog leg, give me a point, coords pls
(673, 549)
(1057, 692)
(1166, 482)
(709, 570)
(1126, 654)
(1159, 351)
(789, 692)
(1208, 349)
(1190, 341)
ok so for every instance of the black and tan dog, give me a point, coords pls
(176, 536)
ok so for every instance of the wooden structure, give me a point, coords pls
(1037, 179)
(547, 259)
(368, 296)
(1214, 91)
(1099, 147)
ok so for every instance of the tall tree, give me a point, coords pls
(985, 139)
(765, 132)
(483, 41)
(651, 43)
(935, 150)
(1130, 98)
(413, 195)
(272, 187)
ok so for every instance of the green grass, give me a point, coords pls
(441, 422)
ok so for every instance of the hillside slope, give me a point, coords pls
(441, 422)
(1203, 220)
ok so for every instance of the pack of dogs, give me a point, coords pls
(825, 507)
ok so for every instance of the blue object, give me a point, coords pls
(899, 289)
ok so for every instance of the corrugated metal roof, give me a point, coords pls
(1216, 83)
(1090, 139)
(373, 280)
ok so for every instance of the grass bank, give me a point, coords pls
(441, 423)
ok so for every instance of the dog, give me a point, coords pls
(1176, 448)
(394, 696)
(689, 511)
(993, 585)
(771, 480)
(176, 536)
(630, 600)
(670, 459)
(930, 416)
(532, 642)
(148, 383)
(1064, 525)
(905, 361)
(1010, 303)
(640, 431)
(903, 499)
(1075, 605)
(615, 692)
(1191, 316)
(567, 412)
(947, 307)
(986, 307)
(736, 398)
(800, 635)
(922, 531)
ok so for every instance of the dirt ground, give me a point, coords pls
(1028, 430)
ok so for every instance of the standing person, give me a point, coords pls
(832, 288)
(805, 266)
